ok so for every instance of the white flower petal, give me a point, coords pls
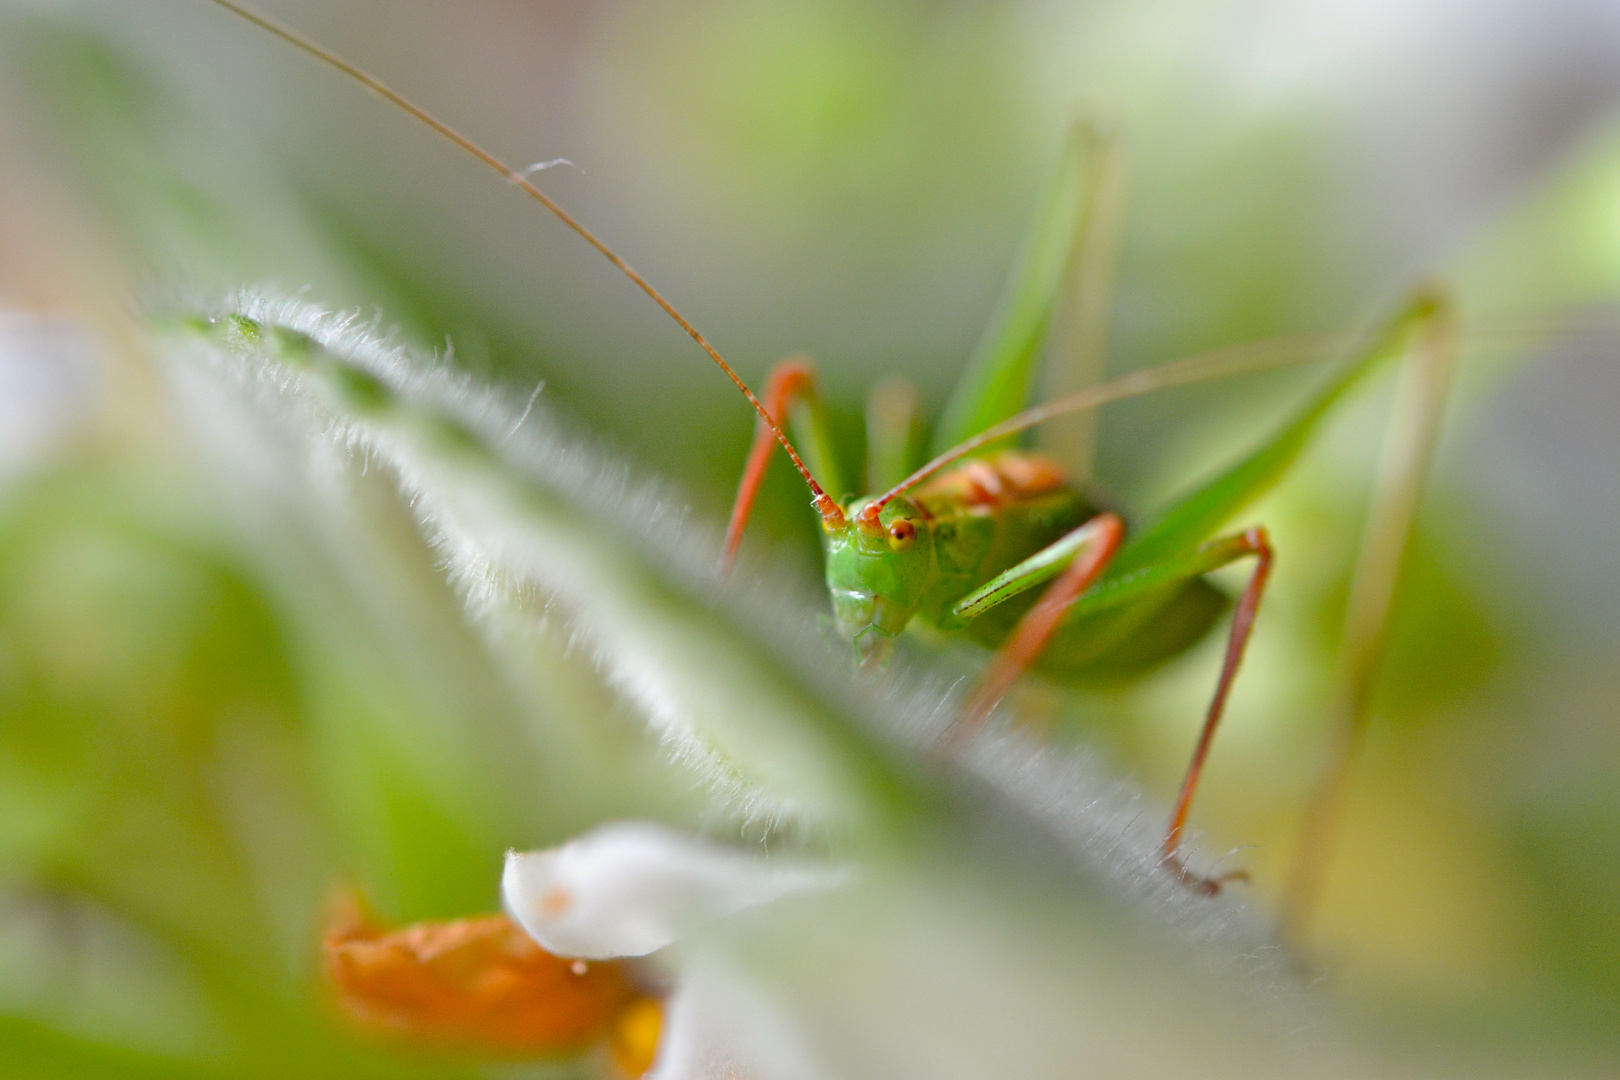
(631, 888)
(718, 1025)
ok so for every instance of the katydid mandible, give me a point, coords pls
(995, 542)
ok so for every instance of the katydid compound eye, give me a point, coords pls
(902, 534)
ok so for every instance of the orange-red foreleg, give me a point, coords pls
(791, 379)
(1038, 625)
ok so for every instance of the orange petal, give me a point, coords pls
(477, 984)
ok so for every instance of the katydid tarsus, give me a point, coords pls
(1003, 544)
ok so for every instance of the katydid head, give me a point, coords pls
(876, 569)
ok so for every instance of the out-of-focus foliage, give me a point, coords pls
(223, 698)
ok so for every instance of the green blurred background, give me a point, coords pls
(209, 713)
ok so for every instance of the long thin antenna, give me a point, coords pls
(830, 511)
(1220, 363)
(1257, 356)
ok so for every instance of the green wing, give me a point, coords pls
(1196, 517)
(998, 379)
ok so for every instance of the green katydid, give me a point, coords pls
(998, 543)
(968, 543)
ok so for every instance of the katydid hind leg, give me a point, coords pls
(1209, 507)
(790, 391)
(1407, 460)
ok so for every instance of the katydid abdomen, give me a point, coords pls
(1118, 645)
